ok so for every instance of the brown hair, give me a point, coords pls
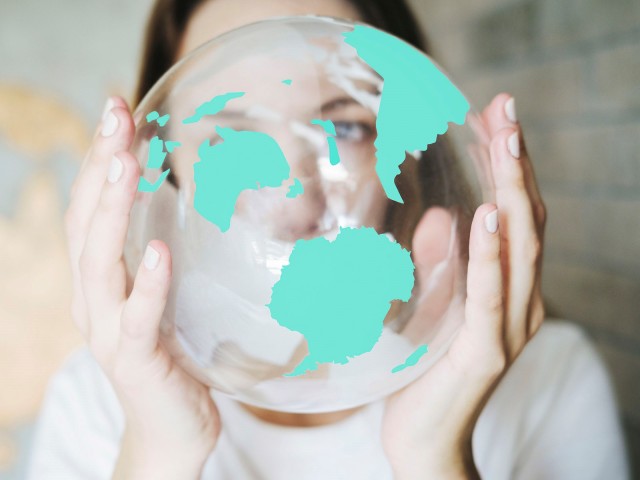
(436, 179)
(169, 19)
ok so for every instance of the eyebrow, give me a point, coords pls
(338, 103)
(229, 114)
(331, 105)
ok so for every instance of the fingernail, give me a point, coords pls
(491, 221)
(513, 144)
(115, 170)
(510, 110)
(151, 258)
(110, 125)
(107, 108)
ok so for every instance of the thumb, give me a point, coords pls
(432, 248)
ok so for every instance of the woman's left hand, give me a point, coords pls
(428, 425)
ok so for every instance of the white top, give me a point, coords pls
(553, 416)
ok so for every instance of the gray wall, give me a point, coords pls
(574, 69)
(77, 51)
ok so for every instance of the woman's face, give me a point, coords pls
(291, 110)
(355, 123)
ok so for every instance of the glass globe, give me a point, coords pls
(315, 181)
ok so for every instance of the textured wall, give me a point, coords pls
(574, 69)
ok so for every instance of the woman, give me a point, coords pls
(501, 404)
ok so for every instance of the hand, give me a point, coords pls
(172, 423)
(428, 425)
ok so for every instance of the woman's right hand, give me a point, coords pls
(172, 424)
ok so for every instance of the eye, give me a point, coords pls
(353, 131)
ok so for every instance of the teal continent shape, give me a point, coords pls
(212, 107)
(330, 128)
(296, 189)
(338, 293)
(412, 359)
(244, 160)
(418, 100)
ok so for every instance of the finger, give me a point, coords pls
(521, 245)
(432, 248)
(142, 313)
(531, 184)
(537, 311)
(85, 191)
(501, 113)
(101, 265)
(478, 352)
(116, 135)
(484, 306)
(104, 129)
(112, 102)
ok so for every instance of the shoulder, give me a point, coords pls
(560, 337)
(82, 385)
(80, 416)
(559, 358)
(555, 411)
(78, 366)
(559, 350)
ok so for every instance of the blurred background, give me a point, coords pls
(573, 66)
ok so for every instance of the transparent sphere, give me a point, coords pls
(315, 182)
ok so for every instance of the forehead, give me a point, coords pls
(215, 17)
(288, 67)
(257, 83)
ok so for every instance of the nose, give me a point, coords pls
(284, 213)
(301, 216)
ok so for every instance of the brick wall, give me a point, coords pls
(574, 69)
